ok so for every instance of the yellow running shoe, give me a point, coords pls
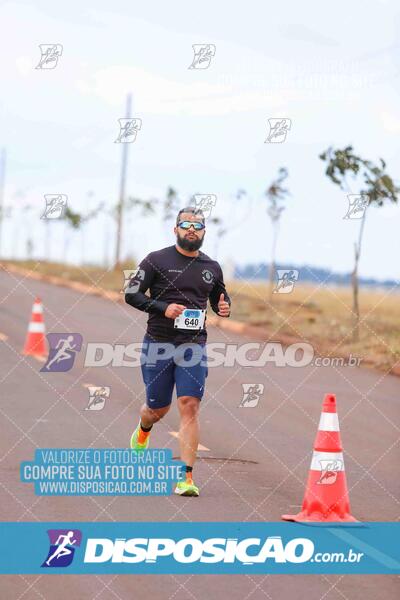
(135, 445)
(186, 488)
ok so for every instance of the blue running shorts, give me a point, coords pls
(165, 365)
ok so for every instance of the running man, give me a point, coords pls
(181, 280)
(63, 346)
(62, 549)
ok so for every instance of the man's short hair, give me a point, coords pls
(190, 209)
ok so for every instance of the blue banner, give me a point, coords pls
(199, 548)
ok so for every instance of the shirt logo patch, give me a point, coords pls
(208, 277)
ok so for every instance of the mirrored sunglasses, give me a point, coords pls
(188, 224)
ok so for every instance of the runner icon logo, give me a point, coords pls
(205, 203)
(50, 53)
(128, 129)
(278, 129)
(286, 280)
(62, 547)
(203, 54)
(97, 397)
(329, 471)
(132, 279)
(56, 205)
(251, 394)
(357, 206)
(63, 347)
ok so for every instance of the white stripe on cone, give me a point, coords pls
(37, 308)
(329, 422)
(321, 459)
(36, 327)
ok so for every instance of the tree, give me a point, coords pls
(26, 220)
(276, 195)
(221, 231)
(84, 219)
(147, 206)
(131, 205)
(171, 204)
(5, 213)
(374, 185)
(239, 199)
(77, 222)
(74, 220)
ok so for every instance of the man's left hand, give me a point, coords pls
(223, 307)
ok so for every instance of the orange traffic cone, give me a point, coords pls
(326, 497)
(35, 343)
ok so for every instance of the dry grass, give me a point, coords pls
(319, 315)
(323, 316)
(108, 280)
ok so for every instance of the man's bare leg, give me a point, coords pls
(149, 416)
(189, 430)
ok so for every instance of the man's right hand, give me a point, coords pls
(174, 310)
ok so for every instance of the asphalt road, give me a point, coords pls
(254, 466)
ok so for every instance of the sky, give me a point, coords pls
(333, 70)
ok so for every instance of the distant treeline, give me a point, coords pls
(310, 275)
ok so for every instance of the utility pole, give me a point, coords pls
(2, 181)
(120, 205)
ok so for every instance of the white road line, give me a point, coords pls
(199, 447)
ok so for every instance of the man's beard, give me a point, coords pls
(187, 244)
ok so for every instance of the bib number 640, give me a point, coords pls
(191, 322)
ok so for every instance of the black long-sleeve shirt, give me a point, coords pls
(173, 277)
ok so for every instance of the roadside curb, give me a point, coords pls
(229, 324)
(237, 327)
(74, 285)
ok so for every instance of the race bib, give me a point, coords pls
(190, 318)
